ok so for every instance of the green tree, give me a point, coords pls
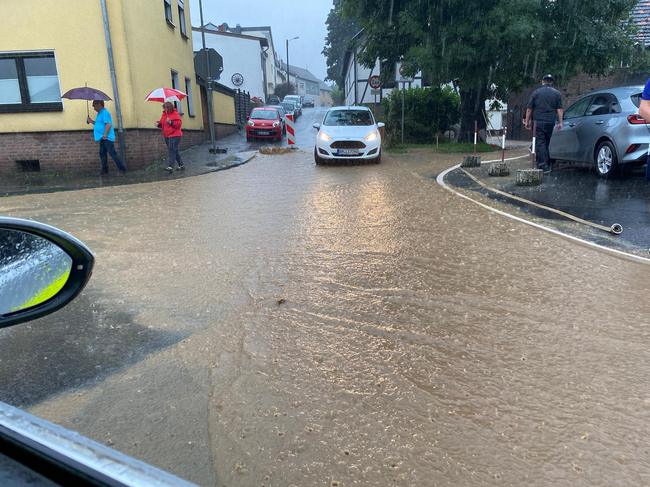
(427, 112)
(284, 89)
(338, 97)
(339, 33)
(492, 47)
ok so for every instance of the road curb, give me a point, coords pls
(440, 179)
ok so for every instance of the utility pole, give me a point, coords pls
(209, 82)
(288, 76)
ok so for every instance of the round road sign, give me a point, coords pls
(374, 82)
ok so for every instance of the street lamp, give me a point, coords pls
(289, 77)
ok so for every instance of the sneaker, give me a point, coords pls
(180, 167)
(169, 169)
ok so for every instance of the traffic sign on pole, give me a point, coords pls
(374, 82)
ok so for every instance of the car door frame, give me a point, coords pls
(566, 137)
(593, 127)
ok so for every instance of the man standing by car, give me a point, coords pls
(545, 108)
(105, 135)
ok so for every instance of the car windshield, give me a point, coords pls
(289, 107)
(264, 114)
(348, 117)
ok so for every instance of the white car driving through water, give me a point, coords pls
(348, 133)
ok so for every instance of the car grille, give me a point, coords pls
(348, 144)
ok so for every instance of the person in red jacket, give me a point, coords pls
(171, 124)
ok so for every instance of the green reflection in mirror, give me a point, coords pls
(32, 270)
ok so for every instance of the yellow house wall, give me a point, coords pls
(145, 50)
(79, 49)
(223, 108)
(154, 49)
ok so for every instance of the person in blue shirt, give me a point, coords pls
(105, 135)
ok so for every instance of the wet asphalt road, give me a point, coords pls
(286, 324)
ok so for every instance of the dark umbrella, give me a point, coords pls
(85, 93)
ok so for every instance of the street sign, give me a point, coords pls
(201, 66)
(374, 82)
(401, 78)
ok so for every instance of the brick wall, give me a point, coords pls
(223, 130)
(76, 151)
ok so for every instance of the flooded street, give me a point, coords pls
(285, 324)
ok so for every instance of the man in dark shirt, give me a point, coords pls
(545, 108)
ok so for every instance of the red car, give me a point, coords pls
(264, 123)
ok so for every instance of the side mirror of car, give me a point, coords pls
(248, 118)
(316, 126)
(381, 125)
(42, 269)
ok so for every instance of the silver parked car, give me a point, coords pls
(603, 128)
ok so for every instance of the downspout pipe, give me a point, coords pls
(116, 94)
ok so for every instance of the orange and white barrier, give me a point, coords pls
(291, 130)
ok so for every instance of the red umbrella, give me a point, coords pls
(165, 94)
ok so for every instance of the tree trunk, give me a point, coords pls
(472, 103)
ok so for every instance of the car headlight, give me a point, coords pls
(276, 124)
(251, 123)
(371, 136)
(324, 137)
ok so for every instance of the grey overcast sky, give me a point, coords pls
(287, 18)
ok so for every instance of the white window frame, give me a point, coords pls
(182, 24)
(167, 6)
(175, 83)
(190, 97)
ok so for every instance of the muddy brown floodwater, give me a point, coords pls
(283, 324)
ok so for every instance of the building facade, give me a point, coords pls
(357, 88)
(50, 46)
(270, 54)
(243, 56)
(306, 84)
(325, 99)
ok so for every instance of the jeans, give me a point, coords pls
(543, 133)
(173, 144)
(108, 147)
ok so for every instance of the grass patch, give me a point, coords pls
(444, 148)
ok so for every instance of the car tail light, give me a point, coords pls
(632, 148)
(636, 119)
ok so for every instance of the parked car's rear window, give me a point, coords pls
(264, 114)
(348, 117)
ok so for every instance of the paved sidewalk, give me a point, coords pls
(578, 191)
(198, 160)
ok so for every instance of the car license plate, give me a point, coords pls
(263, 132)
(348, 152)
